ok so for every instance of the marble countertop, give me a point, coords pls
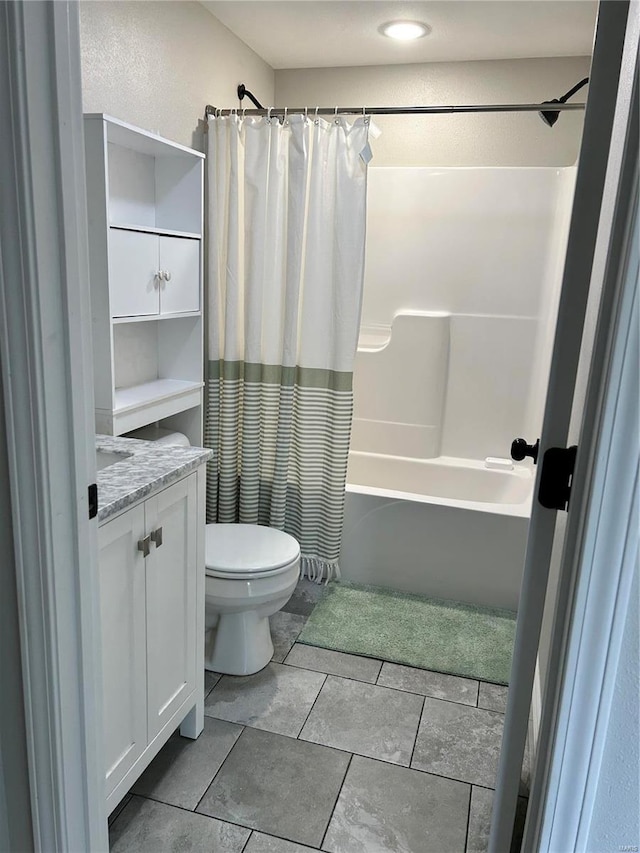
(149, 468)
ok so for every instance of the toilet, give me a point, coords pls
(251, 572)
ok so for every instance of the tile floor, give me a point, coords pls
(324, 751)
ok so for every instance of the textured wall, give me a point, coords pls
(453, 140)
(157, 64)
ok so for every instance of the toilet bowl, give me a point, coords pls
(251, 572)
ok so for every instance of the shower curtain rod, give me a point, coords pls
(384, 111)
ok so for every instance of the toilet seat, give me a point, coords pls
(248, 551)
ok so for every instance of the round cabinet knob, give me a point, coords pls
(520, 449)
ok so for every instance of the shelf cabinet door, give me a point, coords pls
(180, 257)
(171, 601)
(133, 270)
(122, 614)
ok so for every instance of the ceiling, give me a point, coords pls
(335, 33)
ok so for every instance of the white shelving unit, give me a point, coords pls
(145, 197)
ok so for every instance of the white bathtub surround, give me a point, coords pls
(400, 385)
(445, 528)
(463, 273)
(286, 256)
(483, 247)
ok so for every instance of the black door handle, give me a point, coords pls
(520, 449)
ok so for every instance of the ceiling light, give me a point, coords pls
(405, 30)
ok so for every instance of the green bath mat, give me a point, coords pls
(475, 642)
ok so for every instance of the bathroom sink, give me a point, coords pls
(104, 458)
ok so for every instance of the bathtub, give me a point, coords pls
(446, 527)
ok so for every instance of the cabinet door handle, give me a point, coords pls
(156, 536)
(144, 545)
(167, 275)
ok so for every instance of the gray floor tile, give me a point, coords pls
(382, 808)
(149, 827)
(183, 769)
(277, 699)
(493, 697)
(480, 821)
(459, 742)
(427, 683)
(277, 785)
(285, 628)
(260, 843)
(210, 681)
(365, 719)
(334, 663)
(305, 597)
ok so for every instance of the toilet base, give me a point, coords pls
(241, 644)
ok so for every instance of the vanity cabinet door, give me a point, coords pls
(180, 288)
(171, 601)
(133, 271)
(122, 612)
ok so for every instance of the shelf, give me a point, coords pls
(157, 391)
(144, 404)
(145, 196)
(163, 232)
(145, 318)
(373, 338)
(129, 136)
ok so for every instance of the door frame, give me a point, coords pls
(46, 363)
(609, 87)
(602, 536)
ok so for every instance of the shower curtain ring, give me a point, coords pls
(286, 110)
(244, 111)
(316, 120)
(335, 116)
(269, 115)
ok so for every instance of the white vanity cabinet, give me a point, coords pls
(145, 212)
(151, 274)
(124, 643)
(152, 614)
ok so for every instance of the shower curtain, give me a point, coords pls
(286, 213)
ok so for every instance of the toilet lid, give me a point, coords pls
(245, 548)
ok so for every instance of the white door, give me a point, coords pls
(133, 273)
(180, 285)
(52, 688)
(122, 614)
(545, 537)
(171, 601)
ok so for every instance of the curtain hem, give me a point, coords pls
(318, 570)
